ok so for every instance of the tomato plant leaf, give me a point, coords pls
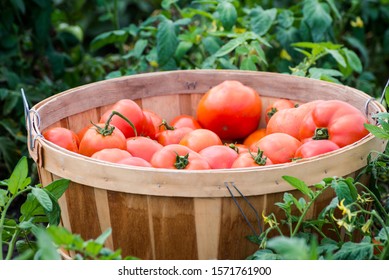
(317, 18)
(103, 237)
(382, 235)
(58, 187)
(298, 184)
(43, 198)
(353, 60)
(227, 14)
(285, 19)
(377, 131)
(230, 46)
(264, 254)
(290, 248)
(355, 251)
(248, 64)
(167, 41)
(261, 54)
(18, 176)
(344, 191)
(107, 38)
(338, 57)
(261, 20)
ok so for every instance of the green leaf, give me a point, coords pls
(382, 236)
(54, 215)
(333, 7)
(261, 54)
(18, 176)
(338, 57)
(248, 64)
(182, 49)
(317, 18)
(107, 38)
(58, 187)
(43, 198)
(355, 251)
(377, 131)
(103, 237)
(166, 41)
(298, 184)
(227, 14)
(46, 248)
(230, 46)
(262, 20)
(3, 197)
(92, 248)
(264, 254)
(211, 45)
(318, 73)
(61, 236)
(290, 248)
(167, 3)
(344, 191)
(19, 4)
(286, 19)
(353, 60)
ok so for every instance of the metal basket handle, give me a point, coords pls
(228, 184)
(32, 123)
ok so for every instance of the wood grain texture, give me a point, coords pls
(178, 214)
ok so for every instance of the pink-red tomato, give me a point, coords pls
(315, 147)
(230, 109)
(176, 156)
(277, 105)
(129, 109)
(172, 136)
(152, 123)
(278, 147)
(135, 161)
(111, 155)
(334, 120)
(199, 139)
(95, 140)
(63, 137)
(185, 121)
(251, 159)
(142, 147)
(219, 156)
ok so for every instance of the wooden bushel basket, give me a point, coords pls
(178, 214)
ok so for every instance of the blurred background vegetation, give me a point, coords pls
(47, 46)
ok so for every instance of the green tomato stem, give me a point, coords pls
(321, 134)
(181, 161)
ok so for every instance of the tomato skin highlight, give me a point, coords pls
(314, 148)
(142, 147)
(93, 141)
(219, 156)
(167, 158)
(278, 147)
(334, 120)
(132, 111)
(63, 137)
(230, 109)
(199, 139)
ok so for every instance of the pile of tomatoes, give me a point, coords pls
(224, 133)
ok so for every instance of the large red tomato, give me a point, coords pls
(230, 109)
(130, 110)
(289, 120)
(62, 137)
(334, 120)
(152, 123)
(314, 148)
(142, 147)
(278, 147)
(219, 156)
(100, 137)
(199, 139)
(176, 156)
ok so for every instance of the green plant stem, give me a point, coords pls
(3, 215)
(378, 203)
(12, 243)
(296, 229)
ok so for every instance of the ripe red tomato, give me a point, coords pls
(289, 120)
(278, 147)
(135, 161)
(230, 109)
(185, 121)
(132, 111)
(219, 156)
(63, 137)
(176, 156)
(250, 159)
(334, 120)
(314, 148)
(152, 123)
(254, 137)
(95, 140)
(172, 135)
(111, 155)
(277, 105)
(142, 147)
(199, 139)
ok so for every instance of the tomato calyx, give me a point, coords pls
(166, 126)
(233, 146)
(321, 134)
(258, 158)
(181, 161)
(272, 112)
(108, 129)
